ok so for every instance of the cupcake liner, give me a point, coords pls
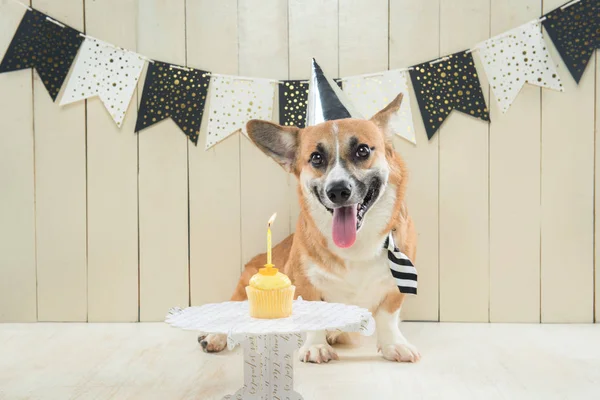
(270, 304)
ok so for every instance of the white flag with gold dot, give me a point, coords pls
(517, 57)
(370, 94)
(235, 101)
(106, 71)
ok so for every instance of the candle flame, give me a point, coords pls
(271, 220)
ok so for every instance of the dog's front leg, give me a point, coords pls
(315, 349)
(390, 341)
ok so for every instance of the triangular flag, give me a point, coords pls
(105, 71)
(326, 101)
(372, 93)
(235, 101)
(450, 83)
(575, 31)
(47, 45)
(517, 57)
(173, 92)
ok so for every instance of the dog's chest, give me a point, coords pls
(363, 283)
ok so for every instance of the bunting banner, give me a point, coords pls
(235, 101)
(372, 93)
(45, 44)
(450, 83)
(173, 92)
(293, 100)
(575, 32)
(106, 71)
(517, 57)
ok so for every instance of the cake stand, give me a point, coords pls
(269, 344)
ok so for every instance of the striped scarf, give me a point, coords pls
(403, 270)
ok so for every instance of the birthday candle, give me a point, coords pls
(269, 259)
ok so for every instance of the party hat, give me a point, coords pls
(326, 101)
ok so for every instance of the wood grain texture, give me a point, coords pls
(163, 182)
(567, 196)
(60, 184)
(112, 182)
(363, 37)
(214, 175)
(18, 298)
(265, 187)
(408, 19)
(515, 188)
(320, 42)
(463, 180)
(157, 362)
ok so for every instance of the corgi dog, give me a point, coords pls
(351, 187)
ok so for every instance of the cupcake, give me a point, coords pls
(270, 294)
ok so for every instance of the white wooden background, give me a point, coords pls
(100, 224)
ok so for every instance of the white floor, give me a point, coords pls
(154, 361)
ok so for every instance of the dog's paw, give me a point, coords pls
(212, 343)
(317, 353)
(400, 352)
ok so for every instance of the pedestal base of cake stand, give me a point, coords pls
(269, 367)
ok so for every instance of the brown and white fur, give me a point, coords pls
(320, 269)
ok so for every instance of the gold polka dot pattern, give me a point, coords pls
(233, 102)
(575, 32)
(445, 86)
(45, 46)
(517, 57)
(173, 93)
(105, 71)
(293, 99)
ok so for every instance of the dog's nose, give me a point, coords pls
(339, 192)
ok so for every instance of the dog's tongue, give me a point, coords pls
(344, 226)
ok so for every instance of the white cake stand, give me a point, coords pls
(269, 344)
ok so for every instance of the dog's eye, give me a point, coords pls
(363, 151)
(316, 159)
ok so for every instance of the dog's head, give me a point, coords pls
(343, 166)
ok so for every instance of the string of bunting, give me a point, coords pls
(449, 83)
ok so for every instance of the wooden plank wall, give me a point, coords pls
(112, 167)
(420, 18)
(60, 192)
(18, 300)
(515, 220)
(215, 207)
(100, 224)
(567, 196)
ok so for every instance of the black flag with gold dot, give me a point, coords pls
(575, 31)
(293, 99)
(450, 84)
(48, 47)
(176, 93)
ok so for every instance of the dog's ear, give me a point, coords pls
(385, 118)
(278, 142)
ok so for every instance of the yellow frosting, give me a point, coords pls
(269, 279)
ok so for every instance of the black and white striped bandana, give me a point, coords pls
(403, 270)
